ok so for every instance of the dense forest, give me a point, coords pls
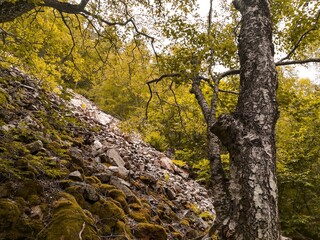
(168, 73)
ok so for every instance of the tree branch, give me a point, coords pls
(66, 7)
(280, 63)
(156, 80)
(309, 60)
(205, 108)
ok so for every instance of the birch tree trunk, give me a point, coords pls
(249, 133)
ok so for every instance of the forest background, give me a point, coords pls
(141, 72)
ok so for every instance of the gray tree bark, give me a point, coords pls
(249, 133)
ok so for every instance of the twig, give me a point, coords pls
(81, 231)
(71, 34)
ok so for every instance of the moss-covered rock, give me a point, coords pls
(69, 221)
(77, 193)
(140, 213)
(29, 188)
(109, 214)
(3, 97)
(14, 224)
(92, 180)
(9, 214)
(147, 231)
(120, 197)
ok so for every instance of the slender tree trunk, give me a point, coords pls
(249, 133)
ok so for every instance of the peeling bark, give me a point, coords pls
(249, 133)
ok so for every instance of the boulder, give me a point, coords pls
(167, 164)
(76, 176)
(114, 158)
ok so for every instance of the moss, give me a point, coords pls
(194, 208)
(149, 231)
(185, 222)
(165, 213)
(9, 214)
(177, 236)
(140, 216)
(92, 180)
(3, 98)
(123, 231)
(140, 213)
(77, 193)
(120, 197)
(68, 220)
(135, 206)
(29, 188)
(109, 214)
(104, 188)
(34, 200)
(207, 216)
(13, 225)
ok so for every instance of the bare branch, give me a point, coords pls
(310, 60)
(229, 73)
(149, 100)
(280, 63)
(227, 91)
(156, 80)
(71, 34)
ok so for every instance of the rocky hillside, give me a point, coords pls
(67, 172)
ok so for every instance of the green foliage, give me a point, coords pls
(202, 168)
(298, 158)
(150, 231)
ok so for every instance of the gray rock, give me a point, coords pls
(114, 158)
(167, 164)
(90, 194)
(120, 172)
(103, 177)
(122, 185)
(76, 176)
(76, 156)
(170, 193)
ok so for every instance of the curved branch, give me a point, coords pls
(156, 80)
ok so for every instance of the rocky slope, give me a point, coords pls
(67, 172)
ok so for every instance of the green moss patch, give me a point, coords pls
(109, 214)
(69, 221)
(149, 231)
